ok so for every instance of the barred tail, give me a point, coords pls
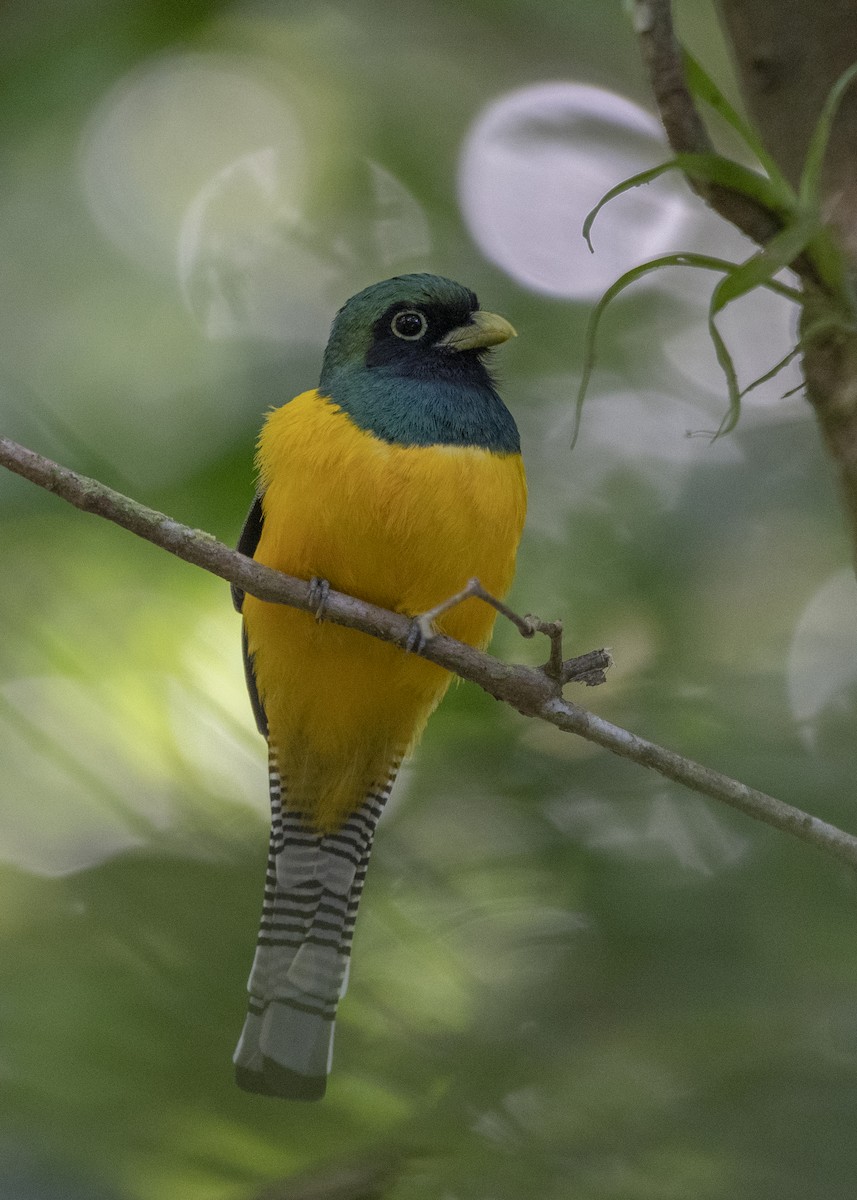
(300, 970)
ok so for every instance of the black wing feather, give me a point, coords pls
(247, 543)
(250, 676)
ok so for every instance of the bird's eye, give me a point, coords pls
(409, 324)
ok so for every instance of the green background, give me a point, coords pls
(571, 978)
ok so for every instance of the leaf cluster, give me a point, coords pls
(803, 234)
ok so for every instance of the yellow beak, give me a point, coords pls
(484, 329)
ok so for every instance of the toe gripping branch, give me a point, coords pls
(589, 669)
(319, 592)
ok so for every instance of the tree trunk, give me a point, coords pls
(789, 55)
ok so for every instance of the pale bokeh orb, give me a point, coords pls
(537, 160)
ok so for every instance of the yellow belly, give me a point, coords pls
(401, 527)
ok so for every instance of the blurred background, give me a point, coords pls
(571, 978)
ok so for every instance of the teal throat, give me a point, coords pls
(454, 407)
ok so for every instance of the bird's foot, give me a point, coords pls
(319, 590)
(421, 632)
(422, 627)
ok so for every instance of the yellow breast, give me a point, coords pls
(402, 527)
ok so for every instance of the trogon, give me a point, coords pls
(396, 480)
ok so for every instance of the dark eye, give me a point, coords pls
(409, 324)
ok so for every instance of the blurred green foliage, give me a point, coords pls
(571, 979)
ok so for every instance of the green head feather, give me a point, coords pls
(405, 363)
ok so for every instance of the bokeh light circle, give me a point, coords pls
(537, 160)
(166, 128)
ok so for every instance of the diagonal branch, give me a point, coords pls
(587, 668)
(530, 690)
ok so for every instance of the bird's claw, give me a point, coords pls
(319, 590)
(421, 632)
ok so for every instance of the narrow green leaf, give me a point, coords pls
(711, 168)
(703, 86)
(727, 366)
(783, 248)
(828, 260)
(775, 370)
(783, 200)
(824, 251)
(683, 259)
(625, 186)
(794, 391)
(757, 271)
(810, 180)
(589, 354)
(716, 168)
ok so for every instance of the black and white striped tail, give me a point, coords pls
(300, 970)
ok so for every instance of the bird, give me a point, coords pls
(396, 480)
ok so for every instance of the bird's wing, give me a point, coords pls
(247, 543)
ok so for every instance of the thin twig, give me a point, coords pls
(553, 668)
(527, 689)
(424, 621)
(524, 625)
(527, 626)
(682, 123)
(590, 668)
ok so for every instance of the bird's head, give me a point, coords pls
(405, 361)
